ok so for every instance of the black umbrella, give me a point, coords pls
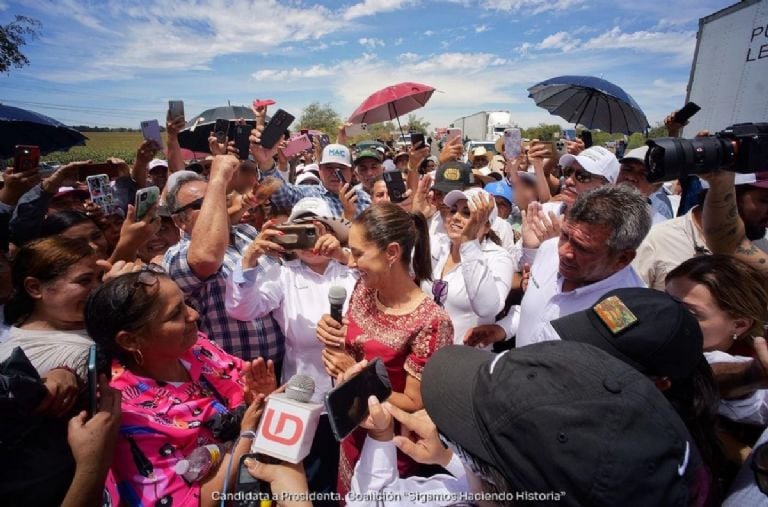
(195, 134)
(19, 126)
(590, 101)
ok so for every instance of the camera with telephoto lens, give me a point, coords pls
(741, 148)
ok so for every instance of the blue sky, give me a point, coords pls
(115, 63)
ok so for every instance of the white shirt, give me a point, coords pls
(545, 300)
(506, 234)
(376, 481)
(477, 287)
(298, 297)
(49, 349)
(752, 409)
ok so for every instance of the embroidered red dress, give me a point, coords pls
(403, 342)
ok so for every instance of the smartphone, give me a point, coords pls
(102, 193)
(25, 158)
(254, 491)
(417, 140)
(686, 112)
(569, 134)
(551, 148)
(347, 403)
(586, 136)
(297, 145)
(241, 135)
(340, 175)
(513, 143)
(93, 380)
(453, 134)
(175, 109)
(274, 130)
(297, 237)
(221, 130)
(324, 140)
(150, 129)
(561, 147)
(356, 129)
(395, 185)
(145, 199)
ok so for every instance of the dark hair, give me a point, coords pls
(44, 259)
(492, 236)
(121, 304)
(737, 288)
(386, 223)
(58, 222)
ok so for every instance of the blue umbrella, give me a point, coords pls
(590, 101)
(19, 126)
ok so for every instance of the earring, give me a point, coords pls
(735, 337)
(138, 357)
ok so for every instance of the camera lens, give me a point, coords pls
(668, 158)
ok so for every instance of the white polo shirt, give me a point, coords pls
(545, 300)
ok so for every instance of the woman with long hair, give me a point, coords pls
(389, 316)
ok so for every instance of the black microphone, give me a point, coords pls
(336, 297)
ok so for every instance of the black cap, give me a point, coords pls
(646, 328)
(563, 417)
(453, 175)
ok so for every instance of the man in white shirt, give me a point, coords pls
(597, 242)
(633, 171)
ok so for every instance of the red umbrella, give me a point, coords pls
(391, 102)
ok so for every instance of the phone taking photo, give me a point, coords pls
(145, 199)
(395, 185)
(296, 237)
(175, 109)
(275, 129)
(150, 129)
(221, 130)
(25, 158)
(513, 143)
(417, 140)
(242, 141)
(347, 403)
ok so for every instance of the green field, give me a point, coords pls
(100, 146)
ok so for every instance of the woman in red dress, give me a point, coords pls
(389, 316)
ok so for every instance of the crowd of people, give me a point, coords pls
(556, 329)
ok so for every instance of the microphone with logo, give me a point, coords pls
(289, 422)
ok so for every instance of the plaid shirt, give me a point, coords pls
(247, 340)
(288, 195)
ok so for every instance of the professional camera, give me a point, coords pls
(741, 148)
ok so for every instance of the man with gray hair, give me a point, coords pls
(598, 240)
(209, 250)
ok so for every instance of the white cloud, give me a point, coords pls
(429, 33)
(370, 42)
(481, 28)
(339, 43)
(531, 7)
(560, 40)
(3, 6)
(680, 44)
(408, 57)
(371, 7)
(399, 41)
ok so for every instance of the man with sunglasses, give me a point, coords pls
(592, 168)
(209, 250)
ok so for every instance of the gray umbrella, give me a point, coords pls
(195, 134)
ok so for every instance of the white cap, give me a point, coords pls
(307, 178)
(456, 195)
(315, 206)
(336, 154)
(596, 160)
(636, 154)
(156, 162)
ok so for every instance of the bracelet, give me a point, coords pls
(248, 434)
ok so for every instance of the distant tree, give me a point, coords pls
(381, 131)
(12, 37)
(320, 117)
(543, 132)
(416, 124)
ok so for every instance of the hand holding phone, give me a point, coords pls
(297, 145)
(175, 109)
(686, 112)
(150, 129)
(512, 143)
(242, 143)
(296, 237)
(145, 199)
(453, 134)
(26, 158)
(274, 130)
(395, 185)
(417, 140)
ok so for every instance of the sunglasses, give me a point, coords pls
(465, 212)
(440, 291)
(580, 175)
(195, 205)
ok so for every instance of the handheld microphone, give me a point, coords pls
(289, 422)
(336, 297)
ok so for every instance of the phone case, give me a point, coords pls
(145, 199)
(512, 143)
(93, 380)
(395, 186)
(453, 134)
(101, 193)
(241, 138)
(176, 108)
(356, 129)
(26, 158)
(275, 129)
(297, 145)
(297, 237)
(150, 129)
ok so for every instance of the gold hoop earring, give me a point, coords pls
(138, 357)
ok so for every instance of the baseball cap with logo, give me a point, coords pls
(646, 328)
(596, 160)
(562, 417)
(336, 154)
(453, 175)
(315, 208)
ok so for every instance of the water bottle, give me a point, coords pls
(199, 463)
